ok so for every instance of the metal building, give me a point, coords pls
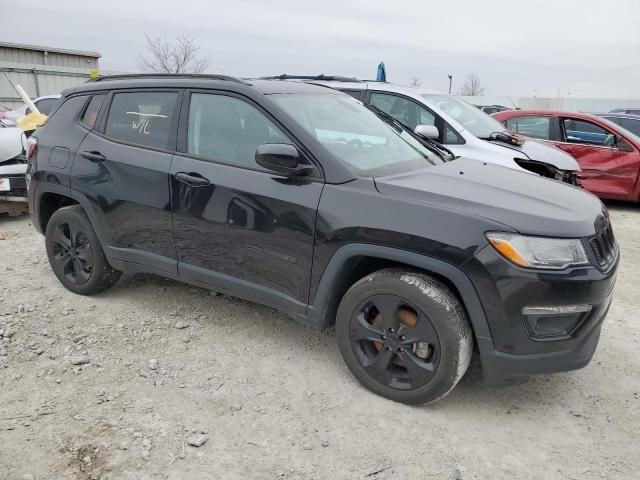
(41, 70)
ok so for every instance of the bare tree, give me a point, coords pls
(180, 56)
(415, 82)
(472, 86)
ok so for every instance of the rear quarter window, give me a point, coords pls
(68, 111)
(142, 118)
(90, 114)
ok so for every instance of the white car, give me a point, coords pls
(13, 167)
(44, 105)
(461, 127)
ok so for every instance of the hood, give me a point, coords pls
(541, 152)
(10, 143)
(527, 203)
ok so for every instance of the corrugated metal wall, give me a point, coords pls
(41, 71)
(31, 55)
(36, 83)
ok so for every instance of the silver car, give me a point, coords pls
(13, 166)
(461, 127)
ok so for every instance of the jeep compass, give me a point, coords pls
(303, 198)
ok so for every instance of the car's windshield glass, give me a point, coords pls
(473, 119)
(354, 134)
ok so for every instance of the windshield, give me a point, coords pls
(473, 119)
(366, 143)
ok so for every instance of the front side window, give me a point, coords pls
(355, 135)
(229, 129)
(476, 121)
(404, 110)
(531, 126)
(451, 137)
(142, 118)
(584, 132)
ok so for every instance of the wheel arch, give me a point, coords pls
(354, 261)
(53, 197)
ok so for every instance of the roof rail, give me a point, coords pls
(133, 76)
(329, 78)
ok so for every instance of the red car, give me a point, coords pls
(608, 154)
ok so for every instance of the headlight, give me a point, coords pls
(539, 252)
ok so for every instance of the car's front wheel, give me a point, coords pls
(404, 335)
(75, 254)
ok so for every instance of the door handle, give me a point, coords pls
(94, 156)
(193, 180)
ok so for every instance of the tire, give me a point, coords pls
(75, 254)
(416, 353)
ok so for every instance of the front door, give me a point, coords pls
(122, 167)
(609, 164)
(238, 227)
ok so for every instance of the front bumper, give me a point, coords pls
(515, 349)
(14, 201)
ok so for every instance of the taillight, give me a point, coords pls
(32, 147)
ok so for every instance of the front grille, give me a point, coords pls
(604, 247)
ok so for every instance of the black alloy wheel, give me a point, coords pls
(75, 254)
(404, 335)
(72, 253)
(395, 342)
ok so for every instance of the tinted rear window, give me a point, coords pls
(142, 118)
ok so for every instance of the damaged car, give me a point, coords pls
(304, 199)
(456, 124)
(13, 167)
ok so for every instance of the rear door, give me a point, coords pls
(238, 227)
(609, 167)
(122, 168)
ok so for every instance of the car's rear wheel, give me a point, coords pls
(404, 335)
(75, 254)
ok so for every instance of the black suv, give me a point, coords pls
(302, 198)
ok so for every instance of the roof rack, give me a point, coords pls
(129, 76)
(329, 78)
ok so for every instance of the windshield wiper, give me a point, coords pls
(431, 144)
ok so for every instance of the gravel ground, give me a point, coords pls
(158, 380)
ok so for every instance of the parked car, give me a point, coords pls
(461, 127)
(44, 104)
(608, 154)
(626, 121)
(13, 167)
(304, 199)
(630, 111)
(489, 109)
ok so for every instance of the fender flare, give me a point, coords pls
(73, 195)
(324, 297)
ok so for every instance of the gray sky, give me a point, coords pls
(590, 48)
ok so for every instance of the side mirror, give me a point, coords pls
(282, 158)
(427, 131)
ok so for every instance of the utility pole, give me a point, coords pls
(450, 80)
